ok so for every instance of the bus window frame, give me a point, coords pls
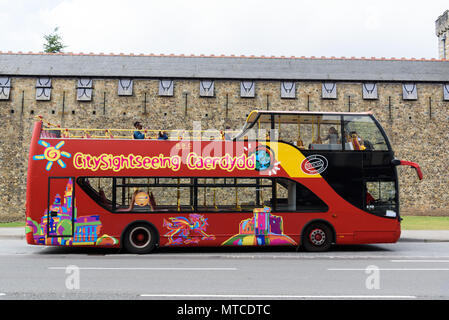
(396, 196)
(379, 127)
(194, 193)
(240, 137)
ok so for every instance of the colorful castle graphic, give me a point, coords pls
(56, 228)
(262, 229)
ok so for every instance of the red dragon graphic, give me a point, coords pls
(186, 231)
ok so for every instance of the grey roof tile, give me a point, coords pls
(215, 67)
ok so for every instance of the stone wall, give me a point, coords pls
(418, 130)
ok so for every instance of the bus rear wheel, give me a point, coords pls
(317, 238)
(139, 239)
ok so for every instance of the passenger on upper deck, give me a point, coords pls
(162, 135)
(332, 136)
(226, 135)
(137, 133)
(357, 141)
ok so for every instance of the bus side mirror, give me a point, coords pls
(396, 162)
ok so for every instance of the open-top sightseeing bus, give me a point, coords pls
(309, 179)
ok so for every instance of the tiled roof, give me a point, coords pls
(223, 67)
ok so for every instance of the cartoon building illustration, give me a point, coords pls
(59, 221)
(87, 230)
(261, 229)
(56, 228)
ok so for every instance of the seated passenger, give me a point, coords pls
(317, 140)
(226, 135)
(137, 133)
(162, 136)
(300, 144)
(357, 142)
(140, 199)
(332, 136)
(368, 145)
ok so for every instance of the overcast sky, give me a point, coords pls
(393, 28)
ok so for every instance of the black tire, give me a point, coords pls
(317, 237)
(139, 238)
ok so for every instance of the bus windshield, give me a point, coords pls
(317, 131)
(363, 134)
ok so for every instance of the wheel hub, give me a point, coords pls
(317, 237)
(140, 237)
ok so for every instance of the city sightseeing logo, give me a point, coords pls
(193, 161)
(314, 164)
(52, 154)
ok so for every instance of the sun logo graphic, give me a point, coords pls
(52, 154)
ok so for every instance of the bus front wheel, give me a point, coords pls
(139, 239)
(317, 238)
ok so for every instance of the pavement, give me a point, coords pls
(425, 235)
(12, 233)
(406, 235)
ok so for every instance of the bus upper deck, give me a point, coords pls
(306, 130)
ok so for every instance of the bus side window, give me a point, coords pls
(380, 197)
(232, 194)
(99, 189)
(155, 194)
(382, 191)
(319, 132)
(293, 196)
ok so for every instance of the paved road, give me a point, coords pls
(406, 270)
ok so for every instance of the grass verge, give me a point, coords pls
(12, 224)
(424, 223)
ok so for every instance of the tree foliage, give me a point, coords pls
(53, 42)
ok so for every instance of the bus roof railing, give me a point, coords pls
(50, 130)
(264, 116)
(291, 117)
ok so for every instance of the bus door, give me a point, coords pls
(60, 208)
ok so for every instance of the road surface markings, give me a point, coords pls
(389, 269)
(277, 296)
(149, 268)
(296, 256)
(430, 261)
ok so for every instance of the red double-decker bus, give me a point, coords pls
(288, 178)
